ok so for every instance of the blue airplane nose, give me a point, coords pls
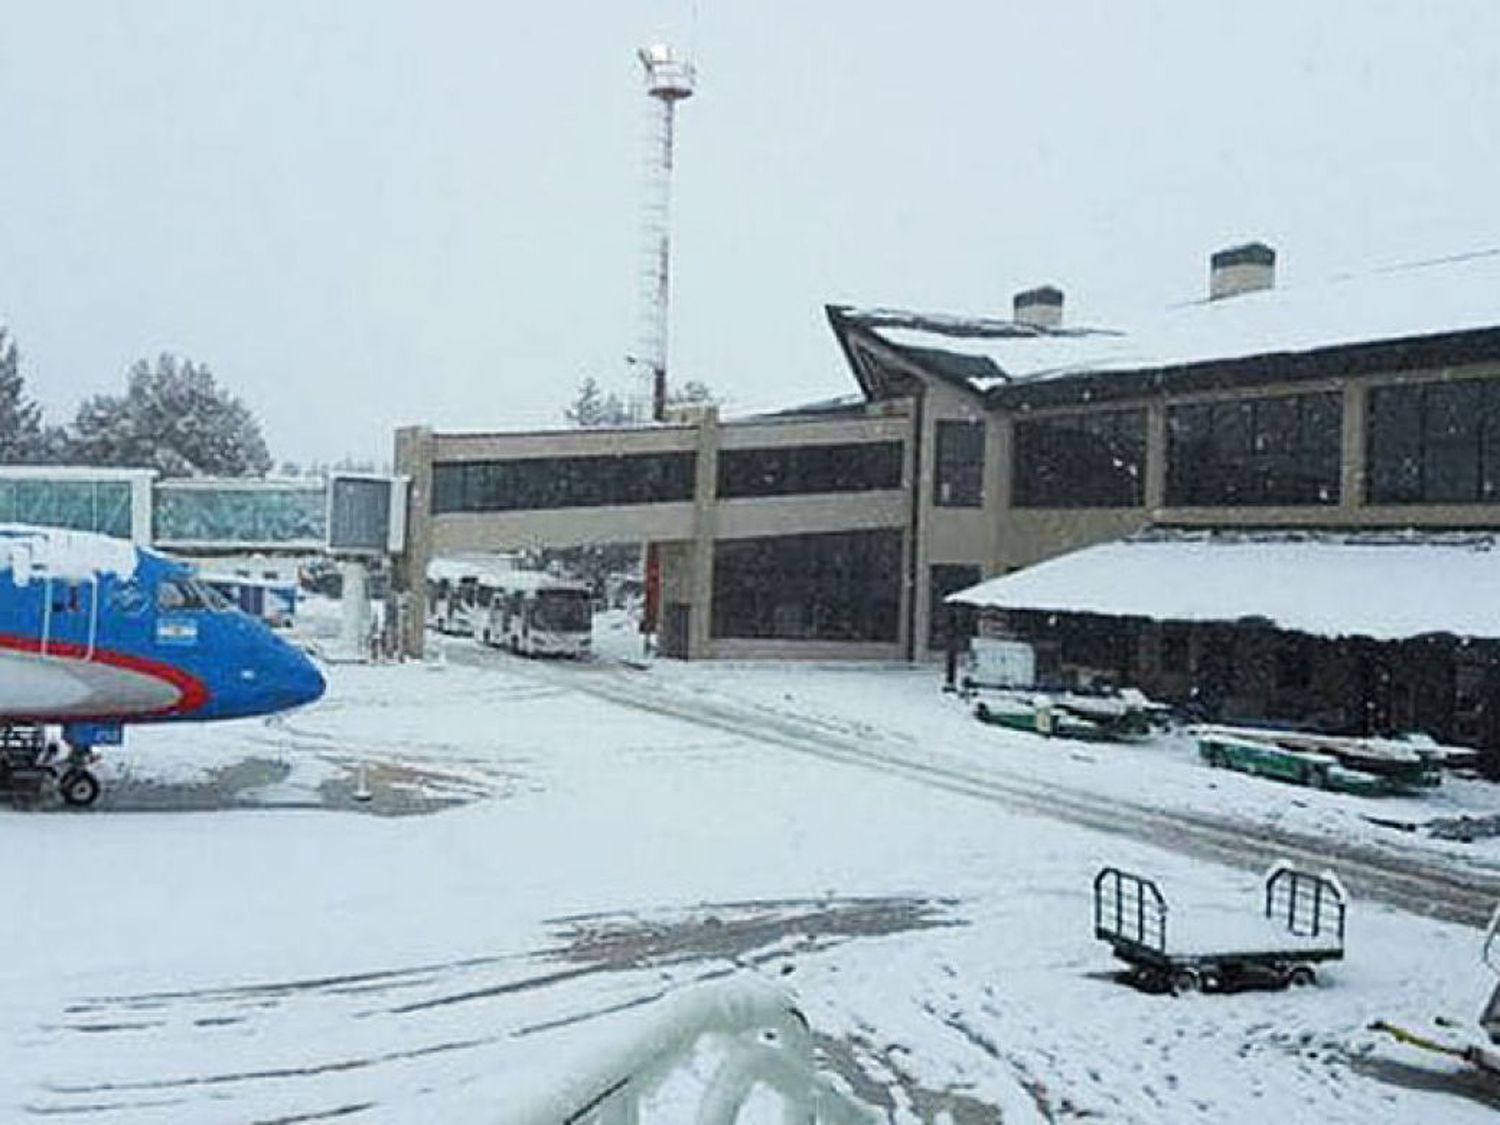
(300, 682)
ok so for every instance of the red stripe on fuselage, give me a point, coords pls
(192, 693)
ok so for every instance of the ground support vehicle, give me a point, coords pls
(1301, 924)
(1120, 716)
(1366, 766)
(34, 765)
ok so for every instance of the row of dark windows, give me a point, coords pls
(959, 480)
(793, 470)
(1094, 460)
(1427, 444)
(561, 482)
(1430, 443)
(841, 586)
(1435, 443)
(1255, 452)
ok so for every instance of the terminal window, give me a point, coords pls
(1435, 443)
(838, 586)
(792, 470)
(944, 620)
(561, 482)
(959, 482)
(1255, 452)
(1088, 460)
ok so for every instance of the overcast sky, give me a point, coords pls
(364, 213)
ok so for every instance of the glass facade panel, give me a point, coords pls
(240, 516)
(1093, 460)
(1255, 452)
(842, 586)
(959, 482)
(1435, 443)
(561, 482)
(794, 470)
(79, 505)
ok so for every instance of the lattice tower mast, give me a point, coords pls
(669, 79)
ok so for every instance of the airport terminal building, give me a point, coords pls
(978, 445)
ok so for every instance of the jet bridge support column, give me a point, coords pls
(414, 452)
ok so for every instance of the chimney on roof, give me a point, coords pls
(1241, 269)
(1040, 307)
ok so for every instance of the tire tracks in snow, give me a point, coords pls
(1420, 884)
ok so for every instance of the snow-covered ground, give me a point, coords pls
(549, 848)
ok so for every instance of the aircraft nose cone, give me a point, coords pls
(302, 682)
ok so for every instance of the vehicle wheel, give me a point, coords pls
(1302, 976)
(79, 788)
(981, 712)
(1186, 980)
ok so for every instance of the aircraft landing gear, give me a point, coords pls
(33, 766)
(78, 787)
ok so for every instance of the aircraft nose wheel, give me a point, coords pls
(78, 788)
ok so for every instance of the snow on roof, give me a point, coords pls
(458, 567)
(1416, 299)
(536, 580)
(49, 552)
(1383, 587)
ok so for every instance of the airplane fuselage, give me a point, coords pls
(128, 636)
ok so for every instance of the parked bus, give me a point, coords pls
(534, 614)
(453, 591)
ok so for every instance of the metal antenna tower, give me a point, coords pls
(669, 79)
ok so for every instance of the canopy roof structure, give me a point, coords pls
(1385, 587)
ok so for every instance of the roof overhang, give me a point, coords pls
(1385, 587)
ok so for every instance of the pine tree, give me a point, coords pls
(691, 393)
(592, 408)
(175, 418)
(22, 437)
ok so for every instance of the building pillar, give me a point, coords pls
(413, 459)
(998, 435)
(999, 476)
(705, 530)
(1154, 487)
(916, 595)
(1355, 445)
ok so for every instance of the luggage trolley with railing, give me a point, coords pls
(1300, 925)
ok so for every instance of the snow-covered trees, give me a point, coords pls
(173, 417)
(23, 437)
(592, 408)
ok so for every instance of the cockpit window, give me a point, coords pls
(215, 600)
(180, 596)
